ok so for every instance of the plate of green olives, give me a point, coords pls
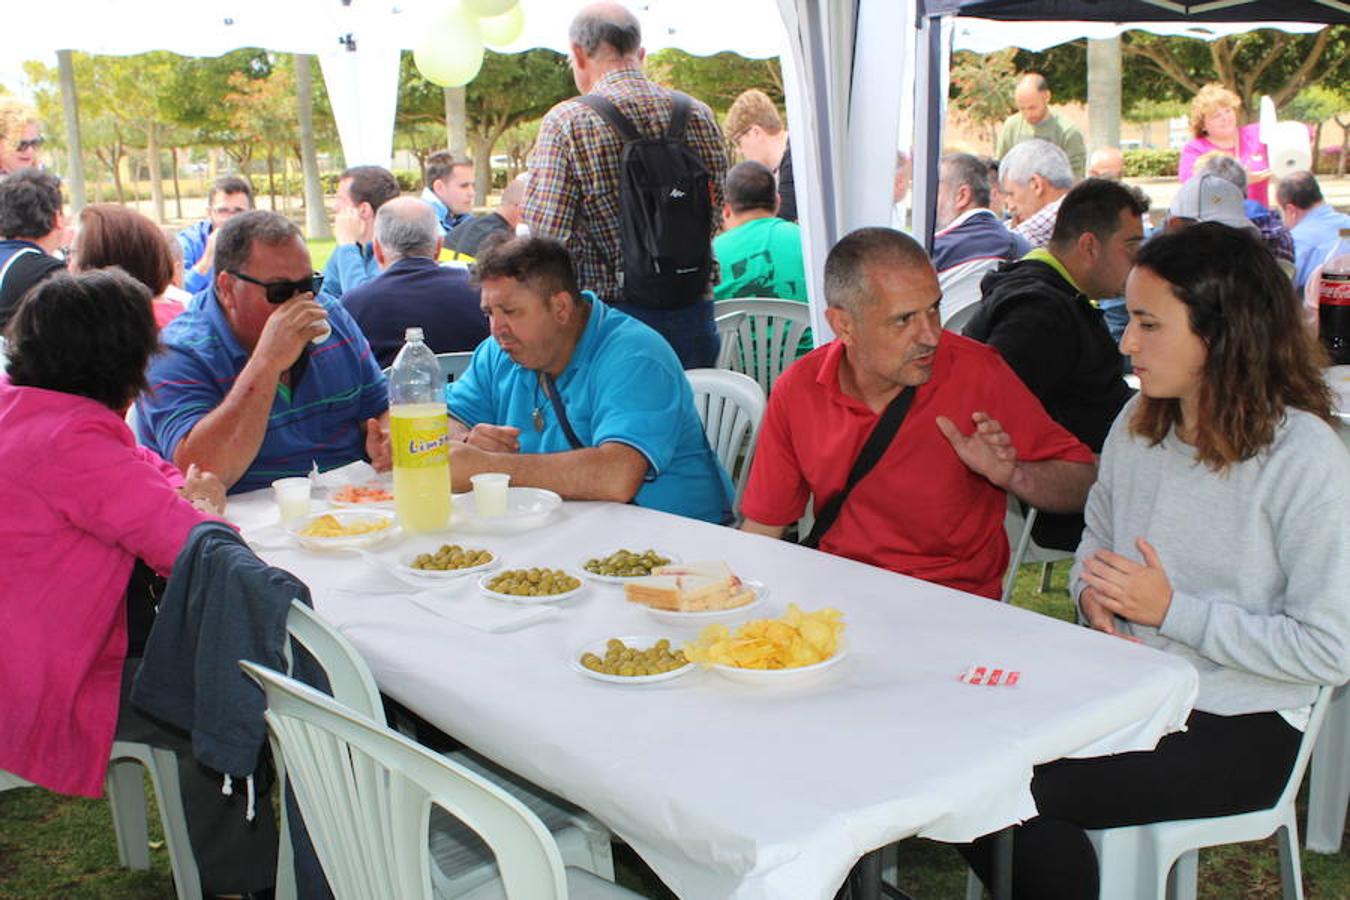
(624, 565)
(633, 659)
(447, 561)
(535, 585)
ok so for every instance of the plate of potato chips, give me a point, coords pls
(345, 529)
(794, 647)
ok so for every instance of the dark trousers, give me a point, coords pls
(234, 856)
(690, 331)
(1220, 766)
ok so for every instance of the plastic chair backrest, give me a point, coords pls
(731, 406)
(367, 792)
(453, 364)
(768, 336)
(1305, 748)
(349, 677)
(727, 327)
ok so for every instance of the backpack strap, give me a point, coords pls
(14, 257)
(627, 131)
(679, 116)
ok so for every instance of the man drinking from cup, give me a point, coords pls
(262, 378)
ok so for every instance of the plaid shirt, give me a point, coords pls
(573, 191)
(1038, 227)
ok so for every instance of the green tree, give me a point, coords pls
(1315, 105)
(982, 88)
(718, 79)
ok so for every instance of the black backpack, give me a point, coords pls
(666, 212)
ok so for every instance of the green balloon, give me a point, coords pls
(450, 52)
(502, 31)
(489, 8)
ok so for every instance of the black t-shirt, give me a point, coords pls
(29, 265)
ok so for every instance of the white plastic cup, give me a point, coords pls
(327, 333)
(292, 498)
(489, 493)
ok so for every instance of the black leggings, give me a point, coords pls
(1220, 766)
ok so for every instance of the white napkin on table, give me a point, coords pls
(483, 613)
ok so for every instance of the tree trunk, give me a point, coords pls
(177, 192)
(316, 217)
(271, 178)
(70, 109)
(1103, 68)
(152, 161)
(456, 122)
(482, 169)
(1316, 147)
(115, 166)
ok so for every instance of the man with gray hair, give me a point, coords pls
(932, 502)
(412, 289)
(1035, 176)
(573, 193)
(970, 240)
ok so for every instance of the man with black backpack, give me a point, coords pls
(628, 177)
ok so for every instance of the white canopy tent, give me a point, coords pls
(856, 74)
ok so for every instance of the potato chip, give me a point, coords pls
(328, 526)
(795, 640)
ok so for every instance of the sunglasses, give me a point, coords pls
(30, 143)
(281, 291)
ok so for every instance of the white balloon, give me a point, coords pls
(489, 8)
(450, 52)
(501, 31)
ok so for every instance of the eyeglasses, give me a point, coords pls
(30, 143)
(281, 291)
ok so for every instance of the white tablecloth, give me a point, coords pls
(730, 790)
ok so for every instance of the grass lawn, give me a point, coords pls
(53, 846)
(319, 251)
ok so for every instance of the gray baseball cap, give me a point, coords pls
(1209, 198)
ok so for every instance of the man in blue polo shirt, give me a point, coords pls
(261, 380)
(574, 396)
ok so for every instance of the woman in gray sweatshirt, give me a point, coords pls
(1218, 530)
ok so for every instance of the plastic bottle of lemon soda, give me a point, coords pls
(418, 434)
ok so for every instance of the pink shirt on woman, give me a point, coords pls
(79, 502)
(1251, 153)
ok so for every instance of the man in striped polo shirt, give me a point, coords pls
(261, 379)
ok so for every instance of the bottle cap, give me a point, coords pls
(413, 334)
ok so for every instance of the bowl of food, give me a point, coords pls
(447, 561)
(795, 647)
(344, 529)
(631, 659)
(535, 585)
(624, 565)
(362, 496)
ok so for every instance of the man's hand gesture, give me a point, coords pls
(987, 451)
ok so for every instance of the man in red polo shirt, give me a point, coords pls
(933, 505)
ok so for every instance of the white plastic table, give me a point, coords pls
(732, 790)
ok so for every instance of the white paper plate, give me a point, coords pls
(617, 579)
(779, 676)
(514, 598)
(674, 617)
(369, 504)
(640, 642)
(346, 542)
(404, 566)
(526, 508)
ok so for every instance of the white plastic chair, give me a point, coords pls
(767, 337)
(461, 860)
(1160, 860)
(731, 406)
(960, 287)
(727, 326)
(453, 364)
(368, 793)
(1329, 777)
(1024, 548)
(126, 796)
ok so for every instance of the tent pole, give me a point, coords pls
(928, 133)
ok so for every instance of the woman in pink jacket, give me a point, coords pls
(80, 504)
(1214, 122)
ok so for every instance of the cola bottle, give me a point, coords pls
(1333, 301)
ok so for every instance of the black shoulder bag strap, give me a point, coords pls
(882, 434)
(554, 397)
(627, 131)
(679, 116)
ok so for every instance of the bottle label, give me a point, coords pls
(419, 442)
(1334, 289)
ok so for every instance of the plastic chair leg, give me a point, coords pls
(1047, 571)
(1181, 881)
(126, 796)
(1329, 778)
(1291, 873)
(163, 768)
(974, 887)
